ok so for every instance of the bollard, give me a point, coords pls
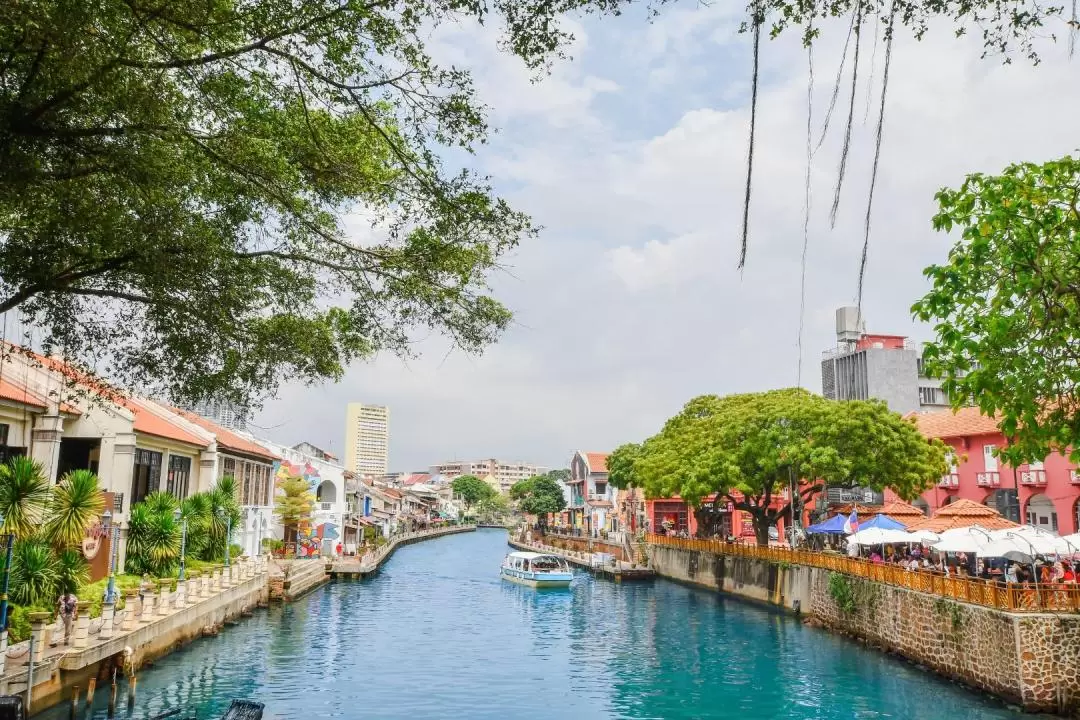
(82, 624)
(163, 596)
(108, 614)
(147, 608)
(73, 713)
(226, 577)
(204, 584)
(131, 607)
(131, 692)
(191, 591)
(215, 579)
(180, 596)
(37, 633)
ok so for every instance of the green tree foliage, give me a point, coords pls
(183, 169)
(747, 448)
(35, 572)
(493, 508)
(77, 503)
(295, 502)
(24, 495)
(153, 545)
(1006, 304)
(539, 495)
(472, 489)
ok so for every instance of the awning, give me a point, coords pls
(366, 521)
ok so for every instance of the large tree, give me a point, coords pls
(472, 489)
(540, 495)
(1006, 304)
(174, 176)
(749, 449)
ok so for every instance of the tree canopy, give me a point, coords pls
(175, 176)
(750, 448)
(540, 494)
(1006, 304)
(472, 489)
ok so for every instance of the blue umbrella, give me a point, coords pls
(832, 526)
(884, 522)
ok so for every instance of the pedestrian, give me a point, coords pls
(339, 549)
(69, 607)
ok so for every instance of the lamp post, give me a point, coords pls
(228, 533)
(183, 540)
(114, 536)
(7, 578)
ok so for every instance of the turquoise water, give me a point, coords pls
(437, 635)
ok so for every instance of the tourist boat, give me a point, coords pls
(537, 570)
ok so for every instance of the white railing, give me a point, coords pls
(1033, 477)
(988, 479)
(951, 480)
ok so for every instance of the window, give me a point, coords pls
(147, 475)
(179, 473)
(227, 467)
(990, 463)
(249, 481)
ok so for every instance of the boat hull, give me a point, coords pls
(538, 580)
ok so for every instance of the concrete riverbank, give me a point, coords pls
(145, 629)
(1029, 658)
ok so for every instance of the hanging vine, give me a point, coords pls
(850, 118)
(758, 19)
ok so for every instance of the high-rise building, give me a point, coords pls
(226, 414)
(504, 473)
(885, 367)
(367, 438)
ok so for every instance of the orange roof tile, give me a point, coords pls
(226, 438)
(900, 509)
(961, 423)
(20, 393)
(597, 461)
(962, 513)
(150, 423)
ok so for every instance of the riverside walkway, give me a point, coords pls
(1010, 597)
(148, 625)
(617, 570)
(371, 561)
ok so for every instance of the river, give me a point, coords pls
(436, 634)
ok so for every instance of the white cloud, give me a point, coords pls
(630, 303)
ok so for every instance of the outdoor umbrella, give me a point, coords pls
(881, 521)
(963, 539)
(1037, 540)
(924, 536)
(1010, 548)
(879, 536)
(832, 526)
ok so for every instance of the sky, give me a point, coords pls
(632, 156)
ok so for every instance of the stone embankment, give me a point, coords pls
(1029, 658)
(372, 561)
(150, 625)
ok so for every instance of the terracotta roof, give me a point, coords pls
(962, 513)
(900, 509)
(391, 492)
(226, 438)
(20, 394)
(597, 462)
(416, 479)
(961, 423)
(149, 422)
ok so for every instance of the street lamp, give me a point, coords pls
(7, 578)
(183, 540)
(228, 532)
(113, 531)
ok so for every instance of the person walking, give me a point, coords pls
(69, 607)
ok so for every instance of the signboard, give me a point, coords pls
(93, 541)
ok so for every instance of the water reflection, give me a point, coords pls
(438, 635)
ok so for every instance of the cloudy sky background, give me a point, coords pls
(632, 157)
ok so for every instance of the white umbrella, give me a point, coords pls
(879, 536)
(1073, 541)
(1035, 540)
(926, 537)
(963, 539)
(1011, 548)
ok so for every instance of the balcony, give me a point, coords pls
(1033, 477)
(988, 479)
(1074, 477)
(952, 480)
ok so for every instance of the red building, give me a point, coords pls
(676, 516)
(1045, 494)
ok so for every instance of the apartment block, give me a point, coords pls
(504, 473)
(367, 438)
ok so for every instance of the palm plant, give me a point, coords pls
(224, 511)
(34, 572)
(76, 505)
(24, 495)
(196, 511)
(72, 571)
(153, 538)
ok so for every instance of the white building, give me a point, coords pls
(367, 439)
(505, 473)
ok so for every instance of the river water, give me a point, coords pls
(436, 634)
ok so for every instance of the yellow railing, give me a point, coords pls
(1002, 596)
